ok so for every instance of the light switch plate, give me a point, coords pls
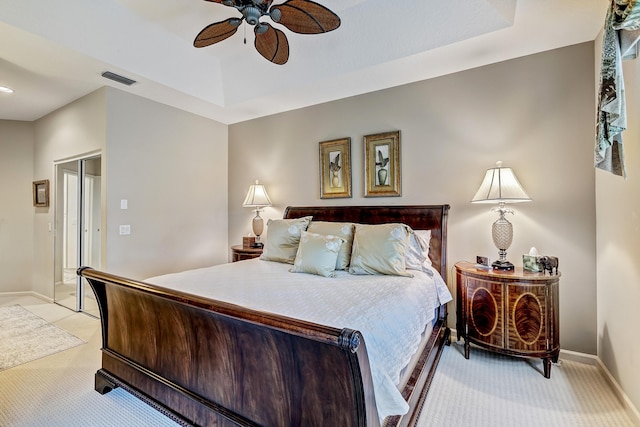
(124, 204)
(125, 229)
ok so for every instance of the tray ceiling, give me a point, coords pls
(53, 52)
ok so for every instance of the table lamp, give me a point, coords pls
(501, 186)
(257, 198)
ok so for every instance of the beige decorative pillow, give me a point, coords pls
(283, 236)
(339, 229)
(380, 249)
(317, 254)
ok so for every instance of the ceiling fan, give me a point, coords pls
(299, 16)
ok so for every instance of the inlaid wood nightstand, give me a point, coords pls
(509, 312)
(238, 253)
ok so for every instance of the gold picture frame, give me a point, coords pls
(335, 168)
(382, 165)
(41, 193)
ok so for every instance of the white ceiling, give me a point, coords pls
(53, 52)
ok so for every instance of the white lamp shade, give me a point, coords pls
(500, 185)
(256, 196)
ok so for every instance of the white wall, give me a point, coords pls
(534, 113)
(16, 209)
(618, 225)
(171, 166)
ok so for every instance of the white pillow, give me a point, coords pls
(317, 254)
(283, 239)
(380, 249)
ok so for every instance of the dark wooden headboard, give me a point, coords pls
(433, 217)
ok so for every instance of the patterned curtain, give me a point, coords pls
(621, 33)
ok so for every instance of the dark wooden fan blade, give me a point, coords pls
(240, 3)
(217, 32)
(305, 17)
(272, 44)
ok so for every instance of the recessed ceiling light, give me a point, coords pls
(6, 89)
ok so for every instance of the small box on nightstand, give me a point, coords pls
(530, 263)
(247, 242)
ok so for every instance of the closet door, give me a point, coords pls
(77, 231)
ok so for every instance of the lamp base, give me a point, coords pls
(502, 265)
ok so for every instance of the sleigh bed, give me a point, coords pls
(206, 361)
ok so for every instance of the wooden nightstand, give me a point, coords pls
(238, 253)
(509, 312)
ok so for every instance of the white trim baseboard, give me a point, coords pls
(574, 356)
(27, 294)
(632, 411)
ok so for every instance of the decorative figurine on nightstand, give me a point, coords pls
(548, 263)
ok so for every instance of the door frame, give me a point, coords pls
(59, 234)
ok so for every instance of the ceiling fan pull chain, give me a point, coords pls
(245, 32)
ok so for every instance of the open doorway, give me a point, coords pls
(78, 231)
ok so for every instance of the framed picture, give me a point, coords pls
(382, 165)
(41, 193)
(335, 168)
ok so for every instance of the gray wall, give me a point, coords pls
(73, 130)
(16, 209)
(171, 166)
(534, 113)
(618, 225)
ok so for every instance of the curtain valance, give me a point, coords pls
(621, 34)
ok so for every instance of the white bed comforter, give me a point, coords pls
(391, 312)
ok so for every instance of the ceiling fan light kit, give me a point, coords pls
(299, 16)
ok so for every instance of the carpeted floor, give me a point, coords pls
(486, 390)
(493, 390)
(25, 337)
(57, 390)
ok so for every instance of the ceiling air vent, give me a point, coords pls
(118, 78)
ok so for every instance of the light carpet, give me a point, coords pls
(25, 337)
(486, 390)
(58, 390)
(489, 390)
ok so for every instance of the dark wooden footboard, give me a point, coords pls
(212, 363)
(206, 362)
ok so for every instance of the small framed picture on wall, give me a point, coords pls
(41, 193)
(382, 165)
(335, 168)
